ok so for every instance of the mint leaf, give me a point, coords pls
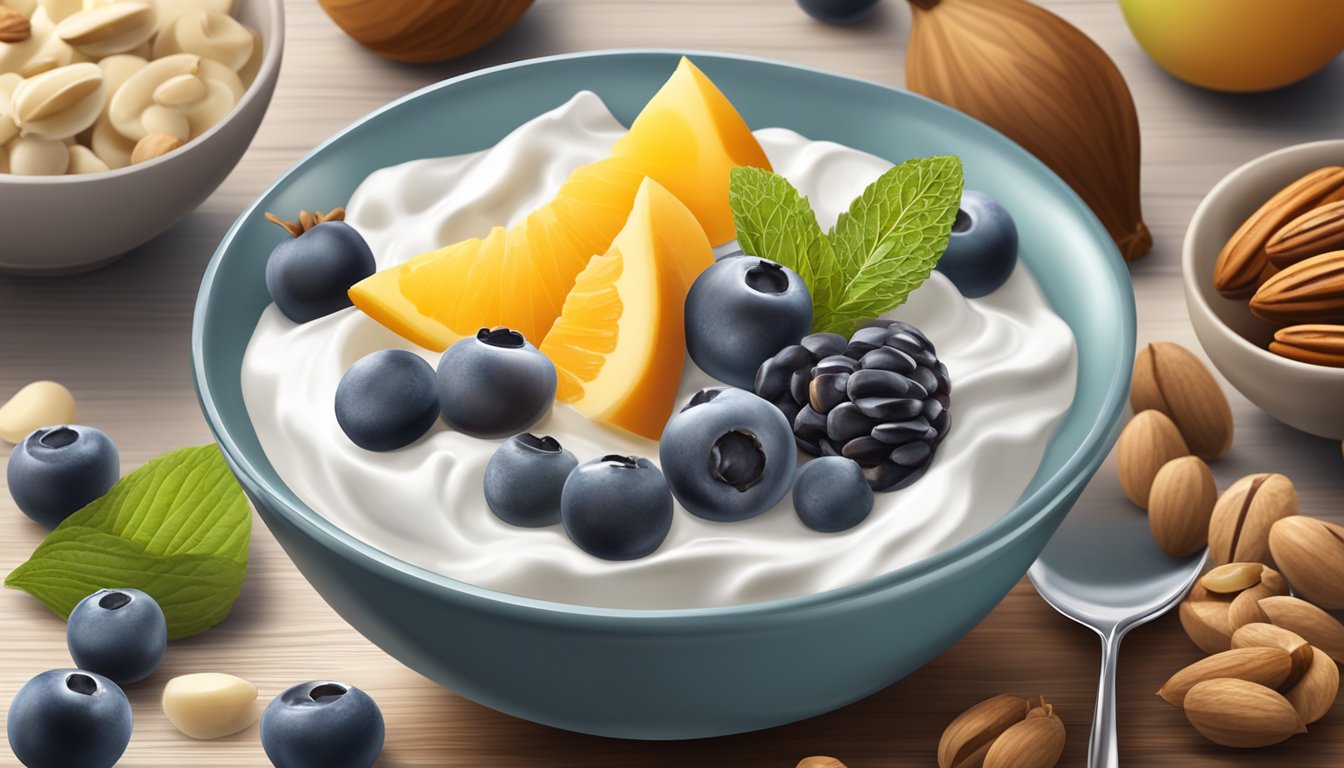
(892, 236)
(177, 528)
(775, 222)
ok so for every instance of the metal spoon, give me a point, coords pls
(1103, 570)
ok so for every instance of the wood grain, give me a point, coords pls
(119, 339)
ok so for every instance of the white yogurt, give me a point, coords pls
(1011, 359)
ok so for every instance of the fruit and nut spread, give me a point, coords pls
(94, 85)
(569, 368)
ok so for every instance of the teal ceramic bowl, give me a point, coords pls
(678, 674)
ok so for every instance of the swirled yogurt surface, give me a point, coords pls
(1011, 359)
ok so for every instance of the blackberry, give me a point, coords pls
(880, 398)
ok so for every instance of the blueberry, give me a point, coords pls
(387, 400)
(495, 384)
(322, 724)
(838, 11)
(118, 633)
(309, 276)
(740, 312)
(69, 718)
(524, 479)
(728, 454)
(832, 495)
(982, 252)
(55, 471)
(617, 507)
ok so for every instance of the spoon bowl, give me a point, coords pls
(1103, 569)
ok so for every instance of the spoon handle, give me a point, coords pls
(1102, 751)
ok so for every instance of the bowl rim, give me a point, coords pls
(1196, 230)
(1025, 514)
(268, 71)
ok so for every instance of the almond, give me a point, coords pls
(1036, 742)
(1260, 635)
(1239, 527)
(1243, 264)
(1319, 230)
(1267, 666)
(1245, 608)
(1315, 343)
(967, 738)
(1315, 693)
(1180, 505)
(1237, 713)
(1306, 620)
(1148, 442)
(1312, 553)
(1310, 291)
(14, 26)
(154, 145)
(820, 761)
(1206, 624)
(1169, 378)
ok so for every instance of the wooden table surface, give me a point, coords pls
(119, 339)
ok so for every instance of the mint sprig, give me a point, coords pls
(880, 250)
(177, 529)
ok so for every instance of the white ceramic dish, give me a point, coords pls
(1301, 395)
(56, 225)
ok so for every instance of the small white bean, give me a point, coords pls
(40, 404)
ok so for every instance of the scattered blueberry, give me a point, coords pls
(118, 633)
(741, 311)
(838, 11)
(495, 385)
(387, 400)
(524, 480)
(322, 724)
(831, 494)
(57, 470)
(982, 251)
(309, 276)
(728, 454)
(69, 718)
(617, 507)
(882, 403)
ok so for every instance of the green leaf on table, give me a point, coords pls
(177, 528)
(880, 250)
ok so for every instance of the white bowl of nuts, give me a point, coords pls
(130, 112)
(1263, 265)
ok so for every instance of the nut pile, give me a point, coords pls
(1288, 258)
(1003, 731)
(1273, 665)
(94, 85)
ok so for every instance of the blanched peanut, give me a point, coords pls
(82, 160)
(40, 404)
(109, 29)
(169, 10)
(210, 705)
(61, 102)
(208, 34)
(33, 156)
(109, 145)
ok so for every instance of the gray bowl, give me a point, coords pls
(1301, 395)
(119, 210)
(677, 674)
